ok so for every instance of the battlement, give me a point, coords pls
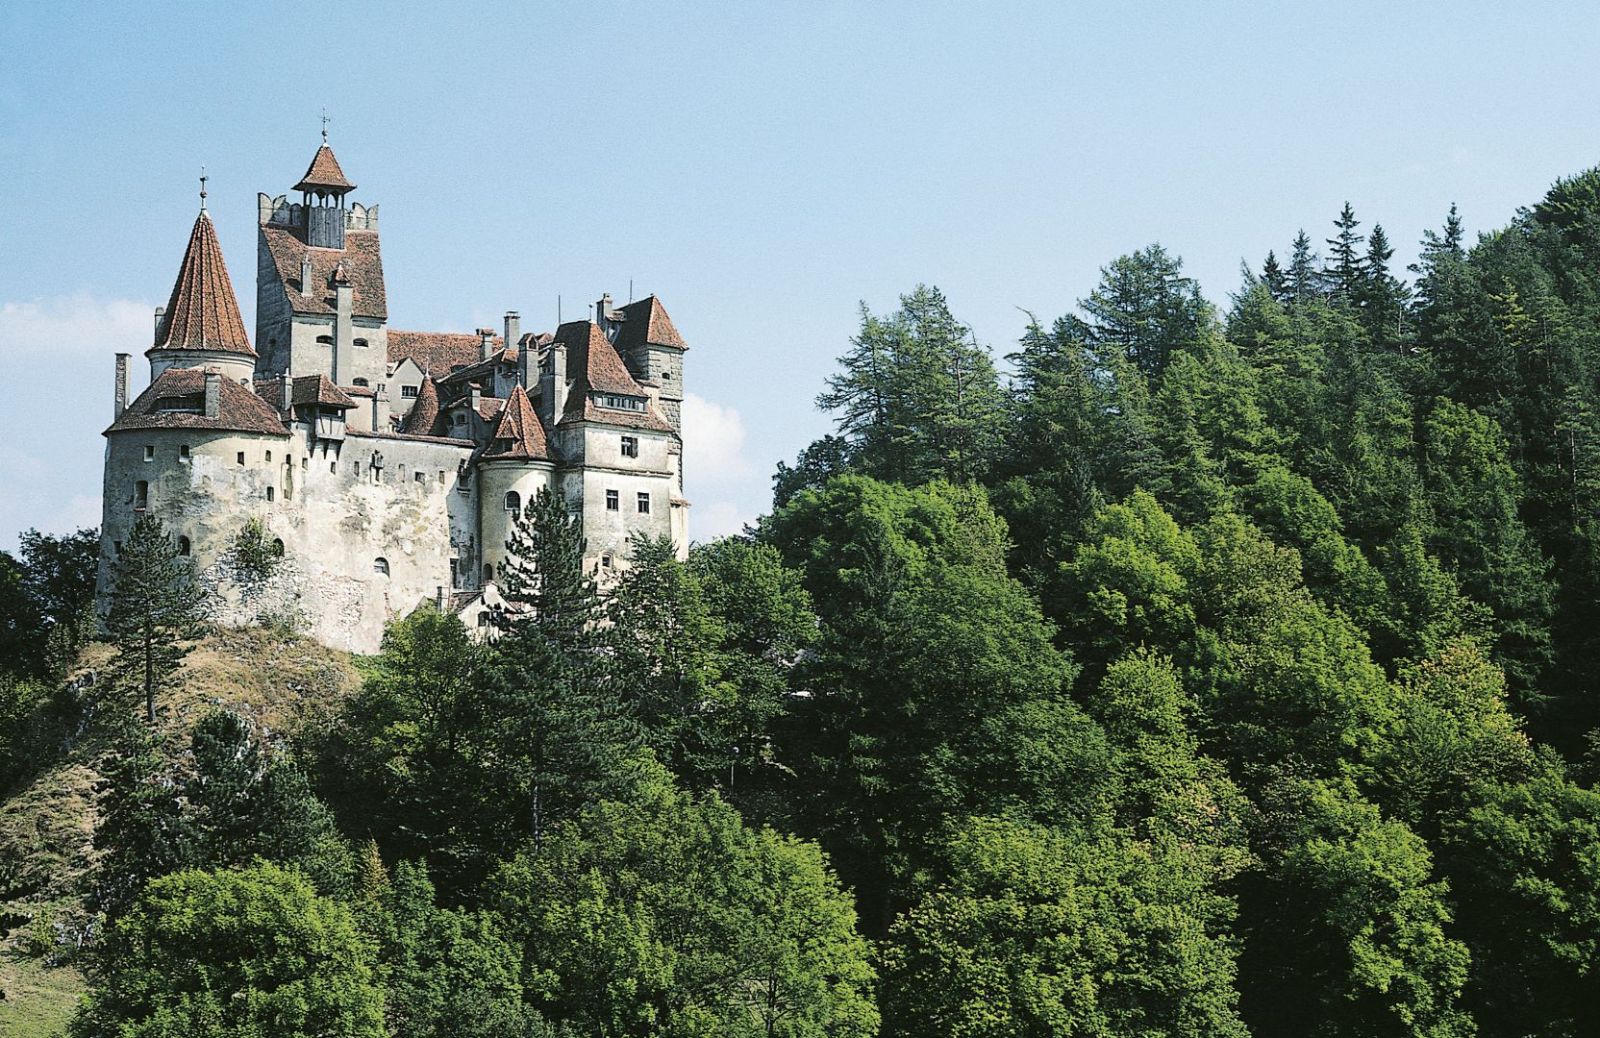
(280, 212)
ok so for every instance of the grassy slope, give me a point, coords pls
(46, 825)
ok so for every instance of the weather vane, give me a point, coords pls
(203, 179)
(324, 124)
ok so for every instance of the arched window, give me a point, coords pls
(183, 545)
(141, 495)
(361, 344)
(324, 340)
(488, 571)
(277, 547)
(380, 565)
(513, 502)
(359, 382)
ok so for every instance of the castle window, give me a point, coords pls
(324, 340)
(277, 547)
(408, 392)
(605, 560)
(241, 457)
(644, 503)
(269, 455)
(488, 571)
(613, 501)
(270, 492)
(420, 477)
(441, 477)
(183, 452)
(622, 403)
(362, 343)
(333, 467)
(630, 446)
(305, 463)
(360, 382)
(149, 452)
(141, 495)
(483, 618)
(183, 545)
(380, 565)
(116, 548)
(513, 502)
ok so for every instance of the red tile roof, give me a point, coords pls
(645, 322)
(424, 413)
(203, 313)
(176, 400)
(324, 172)
(593, 361)
(361, 259)
(582, 409)
(437, 353)
(518, 435)
(307, 389)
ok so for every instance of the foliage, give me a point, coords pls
(155, 609)
(254, 951)
(255, 557)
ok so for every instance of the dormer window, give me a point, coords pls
(622, 403)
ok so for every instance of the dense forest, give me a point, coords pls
(1188, 671)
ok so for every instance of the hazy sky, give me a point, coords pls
(761, 167)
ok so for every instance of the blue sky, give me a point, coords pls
(761, 167)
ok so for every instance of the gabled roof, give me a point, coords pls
(645, 322)
(307, 389)
(176, 400)
(361, 259)
(203, 313)
(324, 173)
(518, 435)
(437, 353)
(593, 361)
(424, 413)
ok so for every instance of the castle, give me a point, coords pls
(386, 467)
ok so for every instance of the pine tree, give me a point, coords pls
(155, 609)
(1273, 276)
(1305, 281)
(1383, 297)
(1345, 271)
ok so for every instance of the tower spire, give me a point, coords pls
(203, 179)
(324, 124)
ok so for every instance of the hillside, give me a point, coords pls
(281, 683)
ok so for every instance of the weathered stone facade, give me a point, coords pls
(387, 470)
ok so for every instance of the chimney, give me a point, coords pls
(485, 343)
(513, 329)
(603, 310)
(213, 394)
(286, 396)
(380, 410)
(121, 391)
(305, 275)
(161, 313)
(553, 384)
(440, 599)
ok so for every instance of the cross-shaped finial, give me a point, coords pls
(324, 125)
(203, 179)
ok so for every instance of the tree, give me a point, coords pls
(561, 734)
(1346, 270)
(1275, 279)
(1038, 934)
(155, 609)
(1145, 309)
(917, 397)
(1305, 280)
(1382, 297)
(143, 831)
(59, 576)
(213, 954)
(665, 915)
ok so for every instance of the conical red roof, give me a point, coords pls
(518, 435)
(324, 173)
(424, 411)
(203, 313)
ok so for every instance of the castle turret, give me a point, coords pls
(322, 191)
(201, 324)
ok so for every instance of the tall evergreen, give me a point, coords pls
(1346, 269)
(1305, 280)
(155, 610)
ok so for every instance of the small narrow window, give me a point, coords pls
(333, 467)
(630, 446)
(380, 565)
(488, 571)
(183, 452)
(419, 477)
(270, 492)
(149, 452)
(141, 495)
(116, 548)
(183, 545)
(513, 502)
(613, 501)
(305, 463)
(605, 560)
(483, 618)
(241, 457)
(644, 503)
(277, 547)
(441, 477)
(269, 456)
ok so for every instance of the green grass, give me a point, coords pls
(38, 999)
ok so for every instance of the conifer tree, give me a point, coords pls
(1276, 280)
(155, 609)
(1383, 297)
(1145, 309)
(1305, 281)
(1346, 267)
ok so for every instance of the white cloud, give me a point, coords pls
(719, 478)
(76, 325)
